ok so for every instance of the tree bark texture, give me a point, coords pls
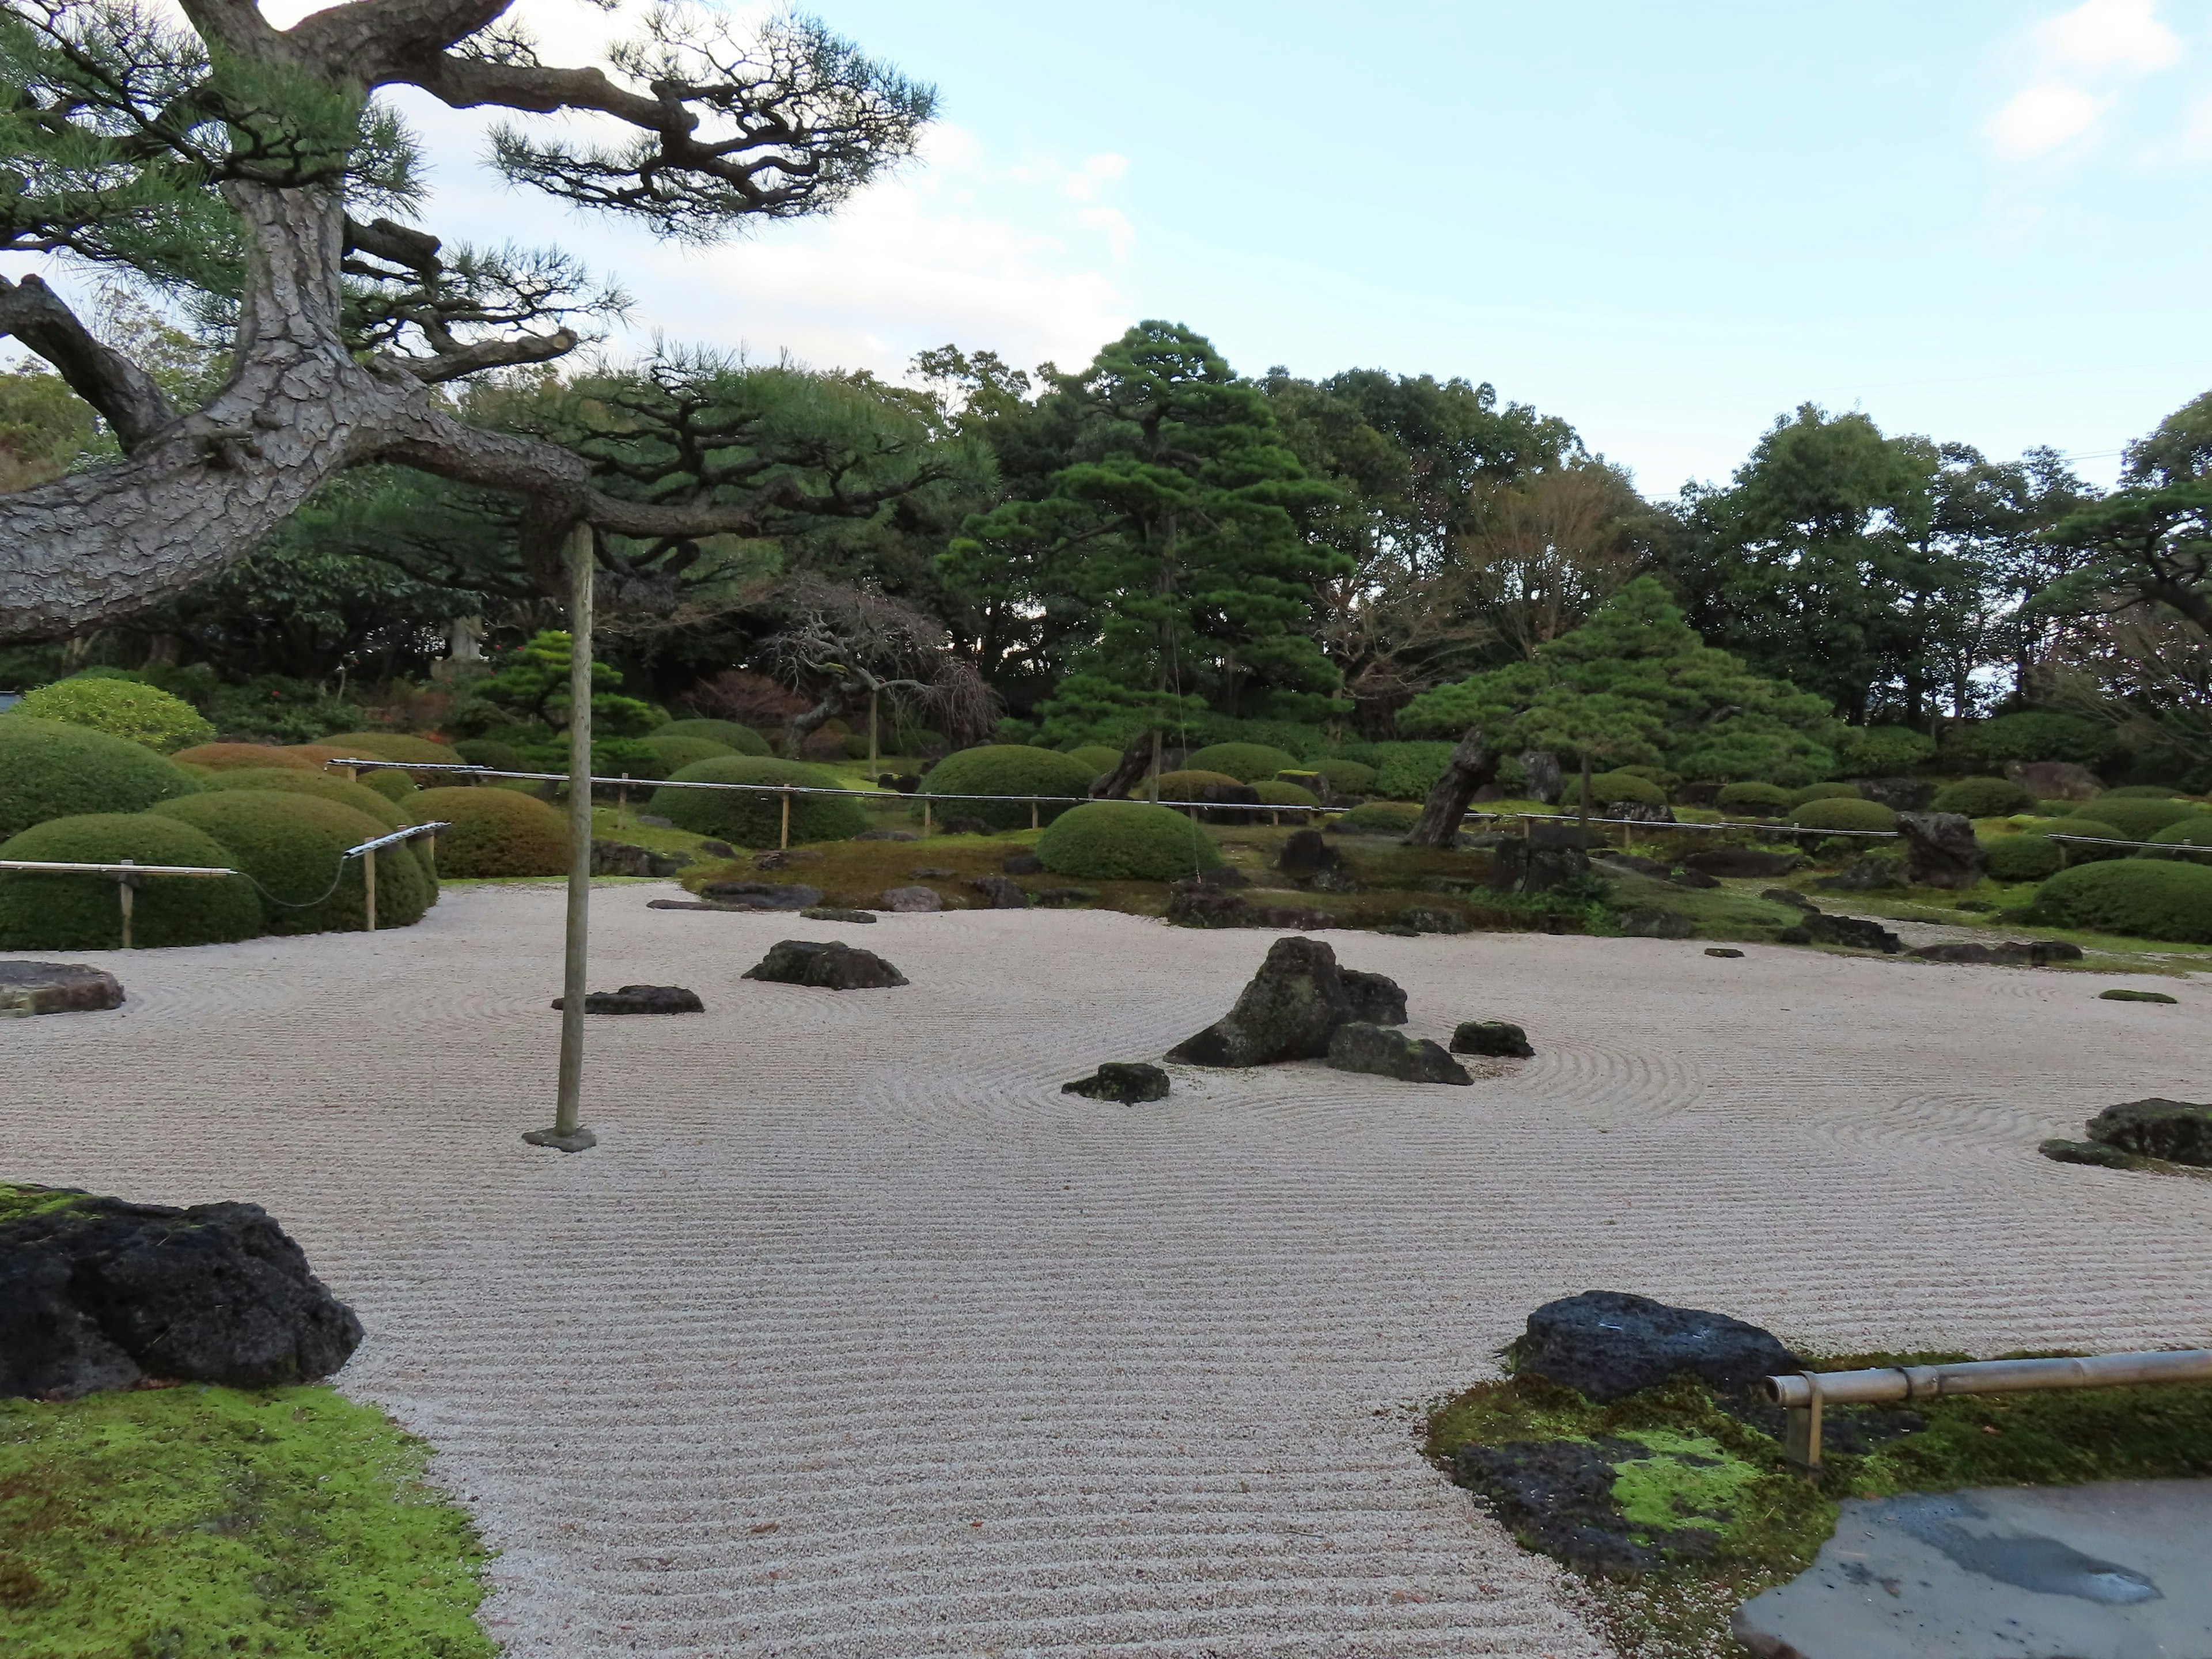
(1473, 764)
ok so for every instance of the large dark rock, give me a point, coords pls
(1356, 1046)
(2179, 1131)
(2090, 1152)
(1792, 898)
(1541, 777)
(2054, 780)
(1375, 998)
(96, 1293)
(1203, 904)
(1293, 1006)
(1306, 854)
(911, 901)
(1852, 931)
(1898, 794)
(1606, 1345)
(619, 858)
(965, 823)
(1130, 1082)
(1497, 1039)
(1635, 865)
(831, 967)
(1533, 866)
(641, 999)
(1742, 863)
(56, 988)
(2010, 953)
(763, 895)
(836, 913)
(1000, 892)
(1022, 864)
(1940, 849)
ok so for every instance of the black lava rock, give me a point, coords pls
(1497, 1038)
(1739, 862)
(1851, 931)
(2179, 1131)
(1608, 1344)
(831, 967)
(1289, 1011)
(96, 1293)
(1356, 1046)
(965, 824)
(641, 999)
(1130, 1082)
(56, 987)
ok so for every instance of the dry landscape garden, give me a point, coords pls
(1183, 1013)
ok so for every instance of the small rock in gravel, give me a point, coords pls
(2102, 996)
(56, 988)
(1356, 1046)
(1003, 892)
(836, 913)
(1721, 951)
(1130, 1082)
(2088, 1151)
(1606, 1345)
(1497, 1039)
(2179, 1131)
(911, 901)
(763, 895)
(641, 999)
(830, 967)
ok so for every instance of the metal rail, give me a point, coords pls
(1802, 1394)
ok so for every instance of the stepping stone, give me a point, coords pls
(1130, 1082)
(56, 988)
(639, 999)
(2109, 1570)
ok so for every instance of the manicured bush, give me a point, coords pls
(1407, 771)
(743, 739)
(1006, 769)
(392, 786)
(1192, 784)
(1612, 789)
(496, 832)
(1754, 800)
(42, 912)
(329, 785)
(1125, 840)
(2146, 898)
(2138, 819)
(2096, 829)
(1247, 762)
(1825, 792)
(242, 756)
(1274, 792)
(123, 709)
(1381, 817)
(747, 818)
(1100, 757)
(1873, 751)
(1983, 798)
(391, 746)
(1844, 815)
(2022, 858)
(490, 751)
(2194, 830)
(1347, 777)
(290, 845)
(50, 769)
(2141, 792)
(673, 754)
(2032, 734)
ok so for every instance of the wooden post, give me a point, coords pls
(567, 1133)
(925, 814)
(1152, 787)
(124, 891)
(871, 733)
(622, 804)
(783, 842)
(368, 887)
(1033, 812)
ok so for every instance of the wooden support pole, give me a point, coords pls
(368, 887)
(124, 892)
(567, 1133)
(925, 814)
(622, 803)
(1033, 814)
(783, 841)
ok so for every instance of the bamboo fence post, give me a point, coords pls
(1033, 812)
(925, 816)
(567, 1133)
(783, 843)
(368, 887)
(622, 803)
(124, 891)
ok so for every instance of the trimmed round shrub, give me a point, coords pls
(2138, 819)
(1754, 800)
(290, 845)
(2021, 858)
(1275, 792)
(490, 751)
(2096, 829)
(1191, 783)
(1099, 757)
(1612, 789)
(1381, 817)
(1983, 798)
(2192, 831)
(1879, 750)
(51, 770)
(2141, 792)
(1407, 771)
(329, 785)
(739, 740)
(674, 754)
(1125, 840)
(1844, 815)
(123, 709)
(1247, 762)
(392, 786)
(42, 912)
(746, 817)
(2146, 898)
(242, 757)
(1347, 777)
(496, 832)
(1006, 769)
(391, 746)
(2035, 734)
(1825, 792)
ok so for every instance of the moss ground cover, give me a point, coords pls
(206, 1523)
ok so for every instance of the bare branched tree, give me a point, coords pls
(850, 648)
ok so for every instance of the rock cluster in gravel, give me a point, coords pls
(1498, 1038)
(1130, 1082)
(56, 988)
(1291, 1008)
(1356, 1045)
(1606, 1345)
(830, 967)
(641, 999)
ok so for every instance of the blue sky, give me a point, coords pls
(1666, 222)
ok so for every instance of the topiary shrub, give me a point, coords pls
(2194, 830)
(42, 912)
(1006, 769)
(1347, 777)
(392, 786)
(123, 709)
(2096, 829)
(328, 786)
(50, 769)
(743, 739)
(1612, 789)
(1097, 756)
(391, 746)
(1758, 800)
(495, 832)
(2032, 734)
(747, 818)
(1983, 798)
(1274, 792)
(1247, 762)
(242, 757)
(1191, 784)
(1844, 815)
(2021, 858)
(1825, 792)
(490, 751)
(290, 845)
(1879, 750)
(1381, 817)
(673, 754)
(1125, 840)
(2141, 792)
(1407, 771)
(2146, 898)
(2138, 819)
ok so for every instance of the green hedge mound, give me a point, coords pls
(672, 755)
(1879, 750)
(2194, 830)
(42, 912)
(1612, 789)
(747, 818)
(50, 769)
(1191, 784)
(495, 832)
(2141, 792)
(738, 739)
(2022, 858)
(1381, 817)
(1006, 769)
(392, 786)
(1247, 762)
(1825, 792)
(2139, 819)
(329, 785)
(1407, 771)
(137, 713)
(1347, 777)
(1125, 840)
(492, 752)
(1844, 815)
(1754, 800)
(290, 844)
(1275, 792)
(1983, 798)
(2096, 829)
(1097, 756)
(242, 757)
(2143, 898)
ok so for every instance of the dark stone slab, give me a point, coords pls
(965, 823)
(911, 901)
(889, 835)
(1356, 1045)
(1721, 951)
(1000, 892)
(641, 999)
(1306, 854)
(2090, 1152)
(1499, 1039)
(2010, 953)
(1022, 864)
(1558, 1495)
(1850, 932)
(1063, 896)
(1537, 865)
(1695, 878)
(831, 967)
(2102, 996)
(1940, 849)
(836, 913)
(1606, 1345)
(2179, 1131)
(1288, 1012)
(1791, 897)
(763, 895)
(620, 858)
(1375, 998)
(1130, 1082)
(1637, 863)
(56, 988)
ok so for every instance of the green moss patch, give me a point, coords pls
(207, 1522)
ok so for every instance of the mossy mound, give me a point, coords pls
(1247, 762)
(1407, 771)
(2139, 819)
(1007, 768)
(392, 746)
(242, 757)
(2095, 830)
(2194, 830)
(2022, 858)
(1612, 789)
(1097, 756)
(392, 786)
(1754, 800)
(51, 770)
(1983, 798)
(1381, 817)
(1825, 792)
(44, 912)
(738, 739)
(747, 818)
(2144, 898)
(1844, 815)
(1345, 777)
(1189, 784)
(329, 785)
(1125, 841)
(490, 751)
(495, 832)
(138, 714)
(1274, 793)
(291, 845)
(674, 754)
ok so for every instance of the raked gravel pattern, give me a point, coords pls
(856, 1336)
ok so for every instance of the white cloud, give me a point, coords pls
(2042, 117)
(2107, 37)
(2079, 60)
(2195, 143)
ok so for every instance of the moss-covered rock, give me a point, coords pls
(1007, 768)
(1755, 800)
(45, 912)
(2179, 1131)
(292, 845)
(242, 757)
(1844, 815)
(1125, 841)
(2145, 898)
(1983, 798)
(1247, 762)
(123, 709)
(51, 770)
(738, 739)
(752, 817)
(495, 832)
